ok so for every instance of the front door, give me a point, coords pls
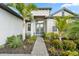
(39, 28)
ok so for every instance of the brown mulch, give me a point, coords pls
(20, 50)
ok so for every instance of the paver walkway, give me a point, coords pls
(39, 48)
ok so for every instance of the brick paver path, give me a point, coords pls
(39, 48)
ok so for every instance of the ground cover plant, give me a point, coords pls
(15, 45)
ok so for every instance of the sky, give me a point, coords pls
(56, 6)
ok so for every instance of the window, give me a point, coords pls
(29, 27)
(54, 28)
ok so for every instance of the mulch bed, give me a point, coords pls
(47, 46)
(20, 50)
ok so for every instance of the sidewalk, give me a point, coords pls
(39, 48)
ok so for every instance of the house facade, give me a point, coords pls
(44, 21)
(11, 22)
(40, 23)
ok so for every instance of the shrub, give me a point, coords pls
(32, 39)
(77, 42)
(47, 41)
(69, 45)
(1, 46)
(19, 36)
(44, 35)
(28, 36)
(55, 36)
(69, 53)
(56, 43)
(14, 41)
(50, 35)
(53, 51)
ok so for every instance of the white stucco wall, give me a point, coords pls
(9, 25)
(33, 28)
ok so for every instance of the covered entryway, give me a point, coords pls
(39, 28)
(38, 25)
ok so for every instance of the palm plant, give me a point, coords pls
(25, 11)
(73, 30)
(61, 24)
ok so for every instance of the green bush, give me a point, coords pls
(77, 42)
(14, 41)
(55, 36)
(28, 36)
(53, 51)
(47, 41)
(50, 35)
(32, 39)
(69, 45)
(1, 46)
(44, 35)
(69, 53)
(19, 36)
(56, 43)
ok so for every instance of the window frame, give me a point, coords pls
(54, 28)
(29, 28)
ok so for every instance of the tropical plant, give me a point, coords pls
(73, 30)
(53, 51)
(61, 24)
(77, 43)
(2, 46)
(50, 35)
(31, 40)
(69, 53)
(14, 41)
(56, 43)
(69, 45)
(25, 12)
(47, 41)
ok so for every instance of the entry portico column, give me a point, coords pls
(33, 30)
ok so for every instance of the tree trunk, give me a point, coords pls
(24, 33)
(23, 36)
(60, 37)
